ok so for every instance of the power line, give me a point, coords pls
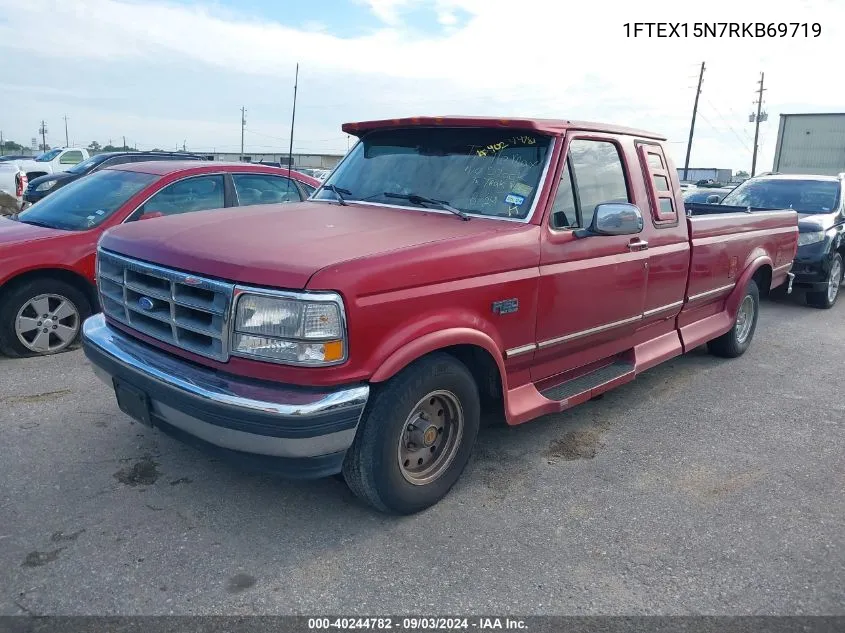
(739, 138)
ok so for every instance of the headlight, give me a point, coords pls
(45, 186)
(810, 238)
(296, 329)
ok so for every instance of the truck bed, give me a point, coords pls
(702, 208)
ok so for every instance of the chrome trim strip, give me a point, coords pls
(710, 293)
(782, 267)
(582, 333)
(219, 389)
(519, 351)
(661, 309)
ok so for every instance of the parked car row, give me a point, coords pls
(47, 271)
(41, 186)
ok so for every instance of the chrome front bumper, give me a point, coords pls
(239, 415)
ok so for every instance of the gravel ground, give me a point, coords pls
(705, 487)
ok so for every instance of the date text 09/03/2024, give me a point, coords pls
(416, 623)
(723, 29)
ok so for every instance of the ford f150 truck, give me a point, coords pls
(448, 266)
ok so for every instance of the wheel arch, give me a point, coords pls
(69, 277)
(473, 348)
(758, 270)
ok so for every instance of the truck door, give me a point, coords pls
(592, 289)
(668, 251)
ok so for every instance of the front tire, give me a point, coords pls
(415, 437)
(826, 298)
(42, 316)
(735, 341)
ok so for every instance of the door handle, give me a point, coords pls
(637, 245)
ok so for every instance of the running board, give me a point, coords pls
(586, 383)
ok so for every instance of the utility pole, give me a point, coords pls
(292, 119)
(67, 142)
(183, 145)
(692, 125)
(43, 131)
(124, 142)
(1, 142)
(243, 126)
(759, 117)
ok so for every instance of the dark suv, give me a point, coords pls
(44, 185)
(818, 265)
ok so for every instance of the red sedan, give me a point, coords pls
(47, 252)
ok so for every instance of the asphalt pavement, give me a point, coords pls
(707, 486)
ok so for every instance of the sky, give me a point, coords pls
(167, 72)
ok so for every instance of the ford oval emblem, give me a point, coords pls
(145, 303)
(192, 281)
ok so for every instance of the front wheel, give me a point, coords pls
(735, 341)
(415, 437)
(827, 297)
(42, 316)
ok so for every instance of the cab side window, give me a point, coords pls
(71, 158)
(593, 175)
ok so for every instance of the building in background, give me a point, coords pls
(301, 161)
(810, 144)
(705, 173)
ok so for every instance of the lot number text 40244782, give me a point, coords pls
(723, 29)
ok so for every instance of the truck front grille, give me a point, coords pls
(181, 309)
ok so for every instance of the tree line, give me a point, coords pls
(93, 146)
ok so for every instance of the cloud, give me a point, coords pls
(526, 58)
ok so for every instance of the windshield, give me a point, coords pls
(88, 163)
(804, 196)
(46, 157)
(87, 202)
(484, 171)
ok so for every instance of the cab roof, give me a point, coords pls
(554, 127)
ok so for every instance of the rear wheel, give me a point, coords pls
(827, 297)
(735, 341)
(43, 316)
(416, 436)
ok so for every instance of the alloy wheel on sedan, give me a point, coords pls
(835, 280)
(47, 323)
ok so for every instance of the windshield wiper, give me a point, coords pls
(338, 191)
(416, 199)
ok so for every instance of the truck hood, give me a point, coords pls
(284, 245)
(13, 232)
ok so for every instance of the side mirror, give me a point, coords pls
(147, 215)
(614, 218)
(713, 199)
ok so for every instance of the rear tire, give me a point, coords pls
(66, 308)
(735, 341)
(415, 437)
(826, 298)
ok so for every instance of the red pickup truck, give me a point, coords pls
(447, 266)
